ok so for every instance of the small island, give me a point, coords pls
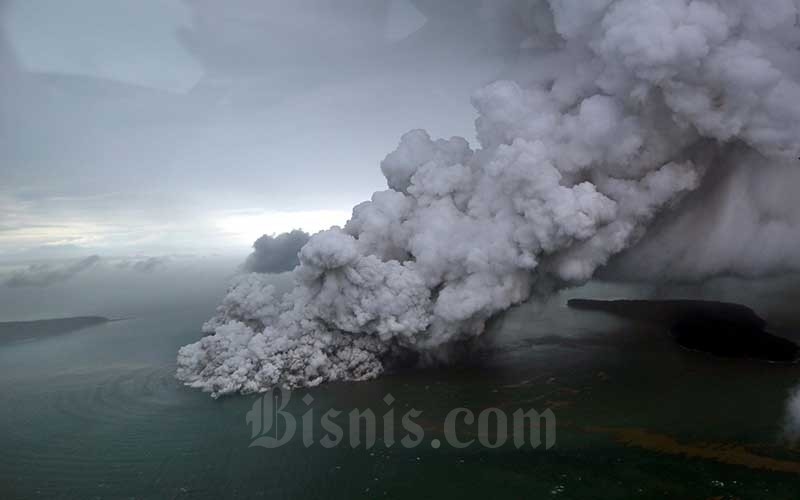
(719, 328)
(17, 331)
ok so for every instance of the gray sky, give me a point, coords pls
(165, 126)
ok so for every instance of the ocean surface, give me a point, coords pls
(97, 413)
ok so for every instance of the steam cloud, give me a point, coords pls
(276, 254)
(42, 275)
(791, 427)
(631, 104)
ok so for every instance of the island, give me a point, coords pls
(719, 328)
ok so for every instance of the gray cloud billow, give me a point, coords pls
(42, 275)
(276, 254)
(629, 107)
(150, 264)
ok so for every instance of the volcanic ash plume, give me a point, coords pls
(276, 254)
(635, 102)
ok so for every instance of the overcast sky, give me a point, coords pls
(165, 126)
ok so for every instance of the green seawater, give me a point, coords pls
(97, 413)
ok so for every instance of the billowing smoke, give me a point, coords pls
(276, 254)
(42, 275)
(791, 427)
(742, 221)
(630, 106)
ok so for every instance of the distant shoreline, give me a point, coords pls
(17, 331)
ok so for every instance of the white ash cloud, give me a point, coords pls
(43, 275)
(276, 254)
(631, 107)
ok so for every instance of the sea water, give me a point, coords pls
(97, 413)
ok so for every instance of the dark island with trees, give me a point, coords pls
(719, 328)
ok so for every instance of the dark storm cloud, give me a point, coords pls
(42, 275)
(276, 254)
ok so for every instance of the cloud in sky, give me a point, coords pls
(247, 226)
(200, 110)
(145, 265)
(43, 275)
(106, 40)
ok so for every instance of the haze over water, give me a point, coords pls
(98, 413)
